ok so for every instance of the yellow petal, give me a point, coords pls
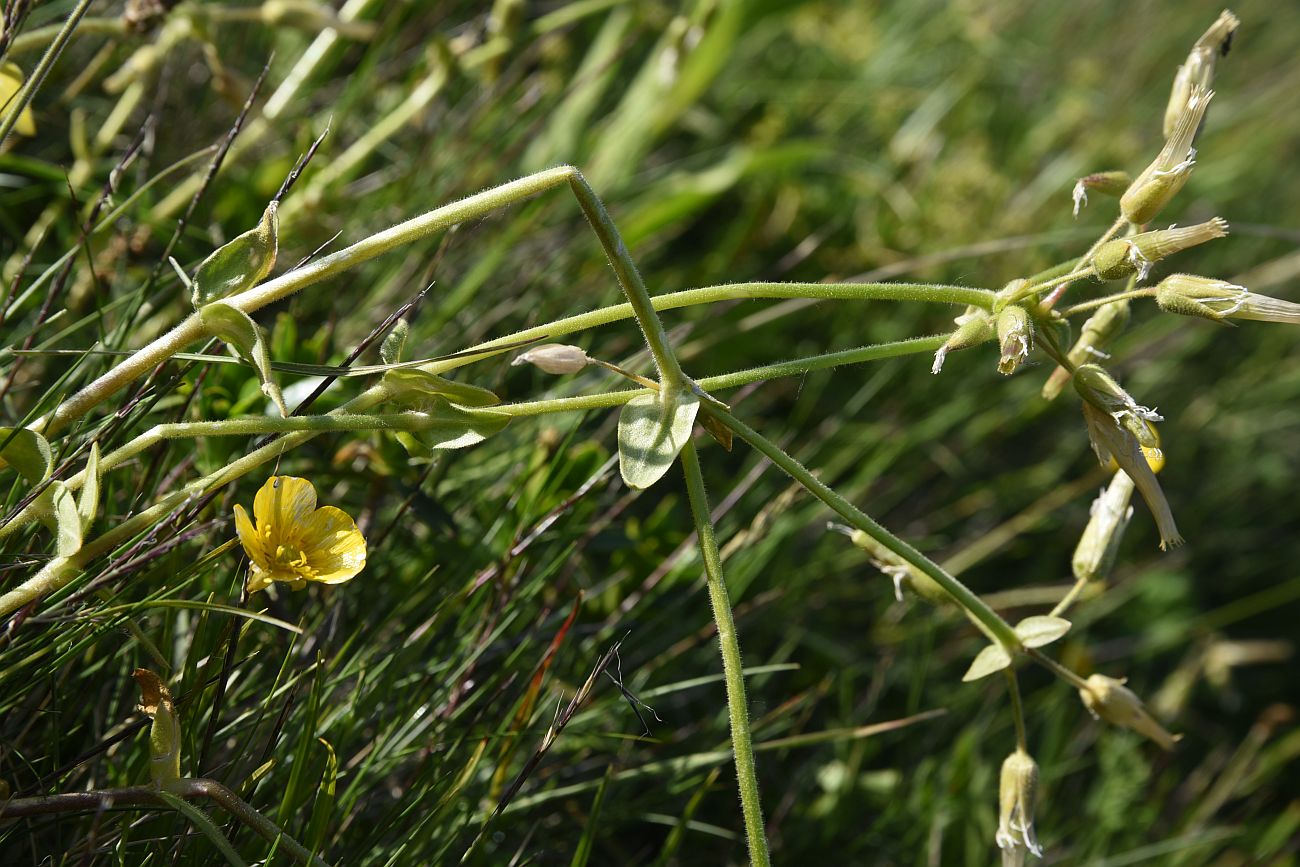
(11, 81)
(333, 546)
(249, 539)
(283, 504)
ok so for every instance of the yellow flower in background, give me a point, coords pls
(11, 81)
(296, 542)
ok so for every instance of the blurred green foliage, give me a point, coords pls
(732, 141)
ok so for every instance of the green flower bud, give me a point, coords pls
(1095, 554)
(1167, 174)
(1108, 699)
(1125, 257)
(165, 733)
(1099, 388)
(1098, 331)
(1198, 70)
(901, 572)
(1110, 183)
(1219, 300)
(973, 328)
(1017, 800)
(1015, 338)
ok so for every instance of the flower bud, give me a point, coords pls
(556, 358)
(1110, 183)
(1095, 554)
(1108, 699)
(1015, 338)
(165, 733)
(1017, 800)
(902, 572)
(1198, 70)
(973, 328)
(1119, 429)
(1099, 388)
(1125, 257)
(1167, 174)
(1219, 300)
(1098, 331)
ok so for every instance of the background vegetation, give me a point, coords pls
(732, 142)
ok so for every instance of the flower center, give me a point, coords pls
(289, 557)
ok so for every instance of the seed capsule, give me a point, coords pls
(1219, 300)
(1124, 257)
(1108, 699)
(1017, 801)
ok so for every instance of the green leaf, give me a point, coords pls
(1041, 630)
(448, 426)
(390, 351)
(88, 502)
(246, 338)
(57, 510)
(651, 433)
(323, 809)
(992, 658)
(238, 265)
(416, 386)
(27, 452)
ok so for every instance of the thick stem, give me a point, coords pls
(629, 278)
(737, 705)
(474, 207)
(192, 330)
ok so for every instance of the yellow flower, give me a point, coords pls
(296, 542)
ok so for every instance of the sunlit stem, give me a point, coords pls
(1085, 306)
(1070, 598)
(737, 705)
(473, 207)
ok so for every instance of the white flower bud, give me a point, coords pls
(557, 358)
